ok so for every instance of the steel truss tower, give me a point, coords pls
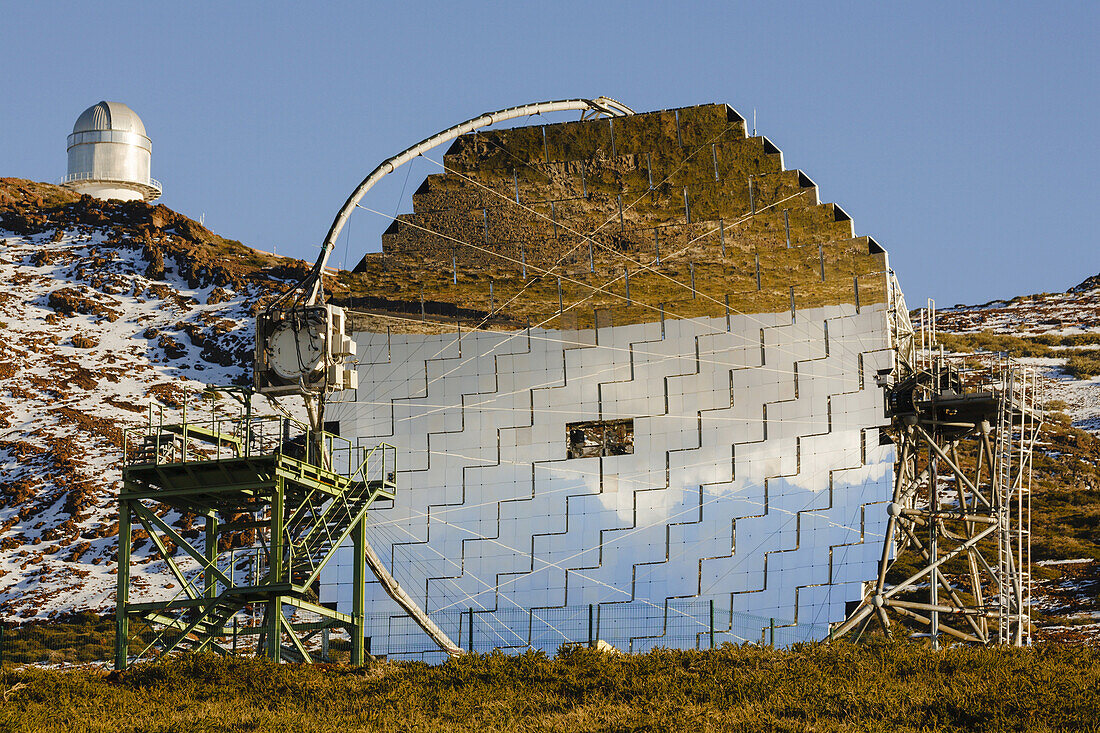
(964, 428)
(275, 499)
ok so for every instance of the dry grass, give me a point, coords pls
(839, 687)
(1081, 362)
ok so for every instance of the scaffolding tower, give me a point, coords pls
(274, 500)
(964, 427)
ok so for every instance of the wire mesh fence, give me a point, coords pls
(85, 639)
(627, 627)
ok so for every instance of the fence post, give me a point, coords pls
(235, 622)
(470, 628)
(591, 626)
(711, 623)
(771, 634)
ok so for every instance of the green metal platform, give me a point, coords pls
(275, 500)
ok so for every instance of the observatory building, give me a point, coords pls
(109, 155)
(632, 369)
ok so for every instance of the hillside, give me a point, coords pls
(1059, 332)
(105, 306)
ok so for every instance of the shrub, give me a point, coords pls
(1084, 364)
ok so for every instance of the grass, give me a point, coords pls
(1081, 362)
(1084, 364)
(877, 686)
(82, 638)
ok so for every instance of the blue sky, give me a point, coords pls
(960, 135)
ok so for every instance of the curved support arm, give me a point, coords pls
(599, 105)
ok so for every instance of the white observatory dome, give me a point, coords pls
(109, 155)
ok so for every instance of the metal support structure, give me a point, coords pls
(589, 108)
(273, 518)
(359, 591)
(209, 580)
(965, 428)
(122, 620)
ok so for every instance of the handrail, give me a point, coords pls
(70, 177)
(237, 437)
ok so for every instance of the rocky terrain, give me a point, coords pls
(1075, 311)
(1051, 331)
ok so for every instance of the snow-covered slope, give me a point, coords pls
(1074, 313)
(101, 314)
(88, 340)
